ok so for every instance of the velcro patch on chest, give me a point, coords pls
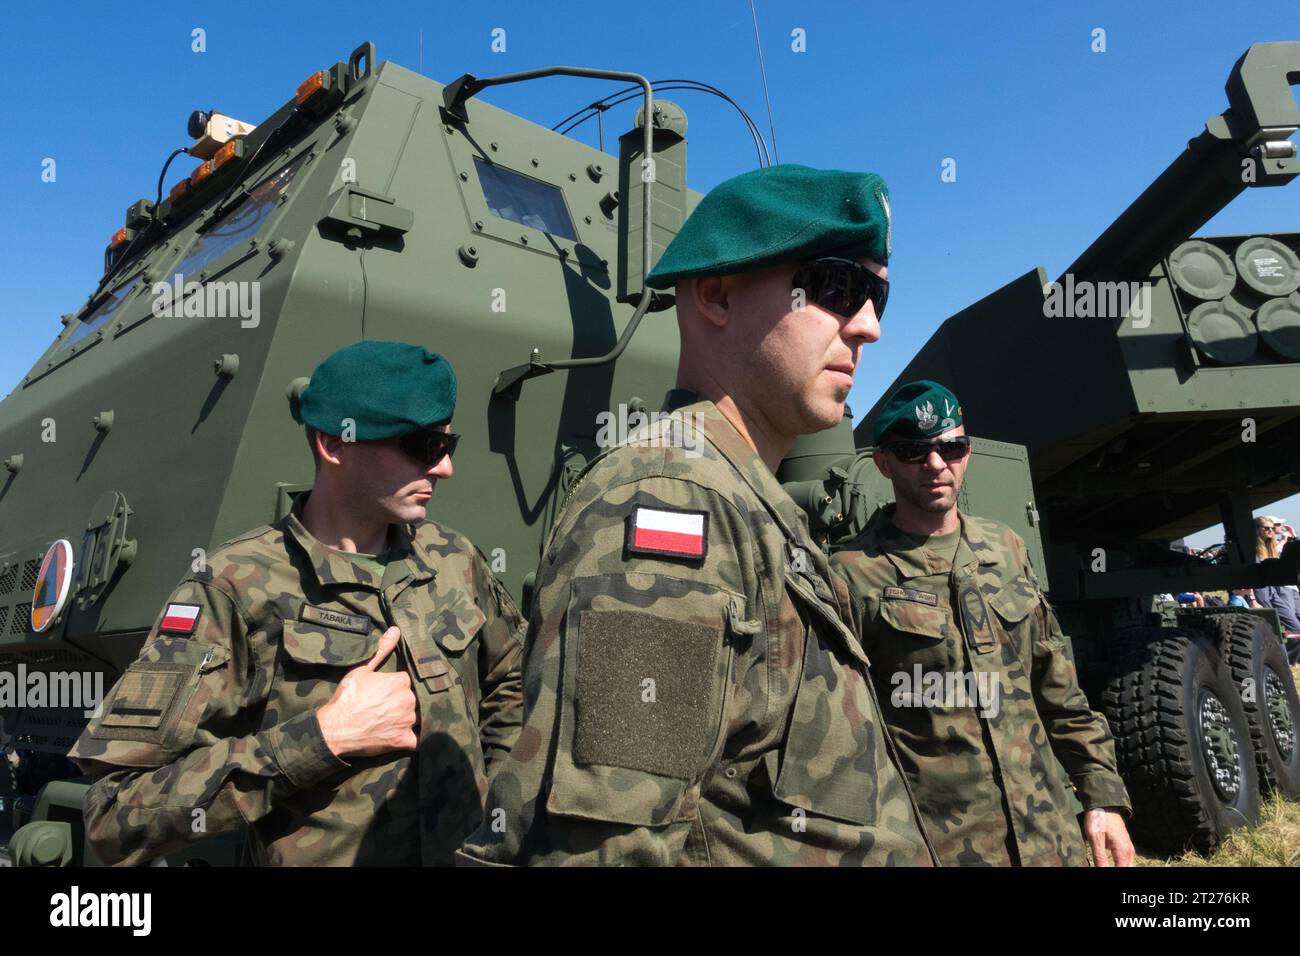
(180, 619)
(665, 532)
(336, 619)
(911, 594)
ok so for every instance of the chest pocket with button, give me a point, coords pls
(1012, 605)
(314, 661)
(439, 656)
(1014, 601)
(912, 632)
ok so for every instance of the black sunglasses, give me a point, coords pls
(841, 286)
(429, 447)
(911, 452)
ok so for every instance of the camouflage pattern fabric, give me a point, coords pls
(987, 776)
(216, 729)
(677, 711)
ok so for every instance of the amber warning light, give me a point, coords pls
(311, 86)
(225, 154)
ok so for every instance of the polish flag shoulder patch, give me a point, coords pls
(180, 619)
(665, 532)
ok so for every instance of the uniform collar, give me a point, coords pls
(724, 436)
(333, 567)
(915, 561)
(975, 548)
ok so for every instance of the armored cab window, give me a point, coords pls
(100, 315)
(529, 202)
(239, 224)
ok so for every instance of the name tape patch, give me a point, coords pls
(335, 619)
(911, 594)
(180, 619)
(665, 532)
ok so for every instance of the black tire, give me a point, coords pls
(1182, 740)
(1255, 661)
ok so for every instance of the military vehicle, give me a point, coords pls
(1163, 376)
(374, 203)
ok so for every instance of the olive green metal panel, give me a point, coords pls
(1179, 365)
(667, 170)
(998, 486)
(383, 230)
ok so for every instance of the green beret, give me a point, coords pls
(388, 389)
(918, 410)
(785, 213)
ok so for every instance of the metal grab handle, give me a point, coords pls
(511, 380)
(364, 52)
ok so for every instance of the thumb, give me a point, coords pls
(386, 644)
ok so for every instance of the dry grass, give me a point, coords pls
(1275, 842)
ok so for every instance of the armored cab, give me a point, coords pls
(374, 203)
(1157, 390)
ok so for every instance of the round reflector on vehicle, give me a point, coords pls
(53, 585)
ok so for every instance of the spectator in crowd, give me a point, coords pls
(1264, 546)
(1282, 533)
(1272, 533)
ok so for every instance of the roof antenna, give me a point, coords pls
(771, 124)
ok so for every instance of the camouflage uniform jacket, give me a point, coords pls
(699, 699)
(214, 727)
(984, 769)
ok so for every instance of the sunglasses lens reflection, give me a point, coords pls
(912, 452)
(842, 286)
(429, 448)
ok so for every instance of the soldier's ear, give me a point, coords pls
(881, 458)
(710, 299)
(329, 449)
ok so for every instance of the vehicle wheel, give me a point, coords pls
(1254, 659)
(1182, 740)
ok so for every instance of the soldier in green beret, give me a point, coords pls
(980, 695)
(338, 684)
(693, 694)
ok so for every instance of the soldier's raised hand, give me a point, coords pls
(371, 713)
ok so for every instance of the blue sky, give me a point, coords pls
(1051, 139)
